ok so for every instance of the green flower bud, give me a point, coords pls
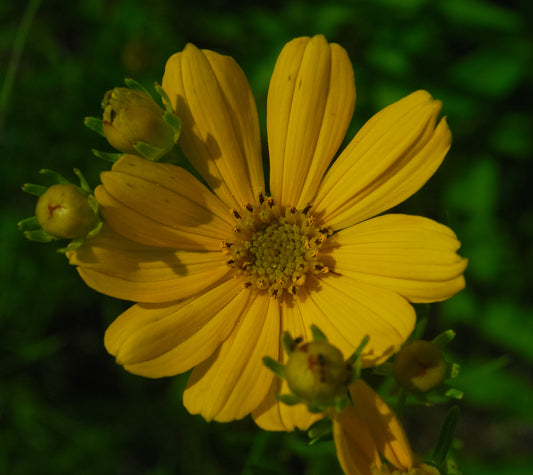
(420, 366)
(63, 211)
(134, 123)
(317, 373)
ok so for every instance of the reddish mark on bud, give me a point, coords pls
(423, 369)
(51, 209)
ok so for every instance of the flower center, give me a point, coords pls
(275, 249)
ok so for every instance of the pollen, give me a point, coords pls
(275, 249)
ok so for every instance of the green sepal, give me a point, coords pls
(39, 235)
(107, 156)
(318, 335)
(454, 370)
(136, 86)
(149, 151)
(384, 369)
(451, 467)
(445, 437)
(402, 400)
(56, 177)
(94, 231)
(316, 408)
(289, 344)
(93, 204)
(32, 189)
(288, 399)
(443, 339)
(96, 125)
(83, 182)
(29, 224)
(169, 116)
(174, 121)
(319, 430)
(357, 353)
(76, 243)
(454, 393)
(277, 368)
(164, 97)
(342, 403)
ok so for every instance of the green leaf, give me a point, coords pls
(494, 386)
(492, 72)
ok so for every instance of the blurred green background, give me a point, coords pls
(66, 408)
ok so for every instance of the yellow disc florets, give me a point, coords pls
(276, 249)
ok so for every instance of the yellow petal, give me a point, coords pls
(388, 434)
(187, 206)
(411, 255)
(168, 339)
(347, 310)
(142, 229)
(234, 381)
(127, 270)
(310, 104)
(272, 414)
(220, 128)
(175, 179)
(354, 444)
(388, 160)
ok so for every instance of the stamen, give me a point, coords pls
(276, 249)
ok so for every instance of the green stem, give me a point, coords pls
(16, 53)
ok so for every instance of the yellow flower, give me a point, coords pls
(367, 429)
(219, 273)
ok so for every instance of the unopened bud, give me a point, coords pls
(134, 123)
(317, 373)
(420, 366)
(63, 211)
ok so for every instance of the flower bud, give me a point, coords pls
(317, 373)
(63, 211)
(420, 366)
(133, 119)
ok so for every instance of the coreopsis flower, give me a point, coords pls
(220, 271)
